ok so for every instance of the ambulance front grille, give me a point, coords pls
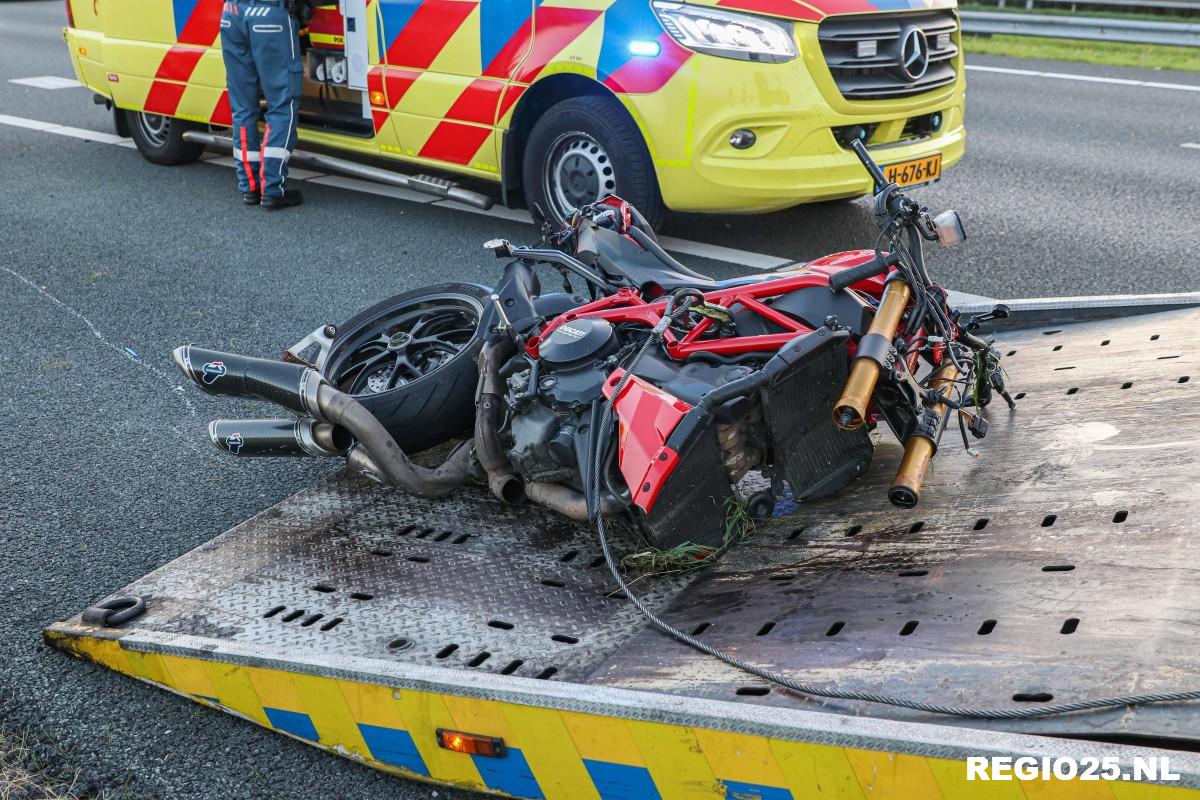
(866, 54)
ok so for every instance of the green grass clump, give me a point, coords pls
(1117, 54)
(686, 557)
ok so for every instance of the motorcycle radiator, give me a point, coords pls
(816, 456)
(671, 458)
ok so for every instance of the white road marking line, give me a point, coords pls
(21, 122)
(729, 255)
(1191, 145)
(91, 136)
(1066, 76)
(967, 299)
(500, 212)
(47, 82)
(303, 174)
(62, 130)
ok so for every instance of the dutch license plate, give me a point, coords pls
(914, 171)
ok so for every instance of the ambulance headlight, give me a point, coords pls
(727, 33)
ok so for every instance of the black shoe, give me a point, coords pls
(251, 198)
(274, 202)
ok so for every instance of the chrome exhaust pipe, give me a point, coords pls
(567, 501)
(504, 484)
(279, 437)
(393, 465)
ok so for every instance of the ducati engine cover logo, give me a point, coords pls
(573, 333)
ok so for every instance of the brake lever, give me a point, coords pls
(999, 311)
(501, 248)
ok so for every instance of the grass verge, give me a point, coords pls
(1117, 54)
(21, 780)
(1064, 9)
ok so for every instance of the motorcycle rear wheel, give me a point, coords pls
(411, 361)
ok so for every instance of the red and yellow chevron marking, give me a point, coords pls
(556, 29)
(778, 8)
(455, 142)
(427, 33)
(197, 33)
(644, 76)
(477, 103)
(449, 73)
(448, 81)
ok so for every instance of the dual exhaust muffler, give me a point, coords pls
(293, 386)
(279, 437)
(330, 423)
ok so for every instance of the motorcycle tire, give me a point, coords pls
(431, 337)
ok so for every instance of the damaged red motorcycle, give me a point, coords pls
(782, 374)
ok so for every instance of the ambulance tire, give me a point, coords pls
(160, 139)
(430, 409)
(584, 148)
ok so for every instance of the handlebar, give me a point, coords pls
(877, 175)
(868, 269)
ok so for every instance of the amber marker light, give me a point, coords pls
(470, 743)
(377, 98)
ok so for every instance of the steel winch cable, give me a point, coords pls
(601, 432)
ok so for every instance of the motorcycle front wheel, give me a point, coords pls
(411, 361)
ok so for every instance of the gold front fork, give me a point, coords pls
(851, 408)
(920, 447)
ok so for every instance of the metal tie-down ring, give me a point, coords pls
(114, 612)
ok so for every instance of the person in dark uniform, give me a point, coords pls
(260, 44)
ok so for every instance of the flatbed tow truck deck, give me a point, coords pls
(1058, 565)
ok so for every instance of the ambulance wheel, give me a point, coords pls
(160, 139)
(583, 149)
(411, 361)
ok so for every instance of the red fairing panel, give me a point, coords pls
(646, 417)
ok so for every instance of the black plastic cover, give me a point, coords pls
(576, 341)
(812, 305)
(816, 456)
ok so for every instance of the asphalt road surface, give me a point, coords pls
(107, 262)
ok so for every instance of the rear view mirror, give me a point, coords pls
(949, 228)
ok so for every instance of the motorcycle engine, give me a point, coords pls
(553, 396)
(552, 400)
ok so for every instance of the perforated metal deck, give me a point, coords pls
(1061, 563)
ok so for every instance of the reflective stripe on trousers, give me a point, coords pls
(260, 45)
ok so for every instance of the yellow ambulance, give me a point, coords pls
(709, 105)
